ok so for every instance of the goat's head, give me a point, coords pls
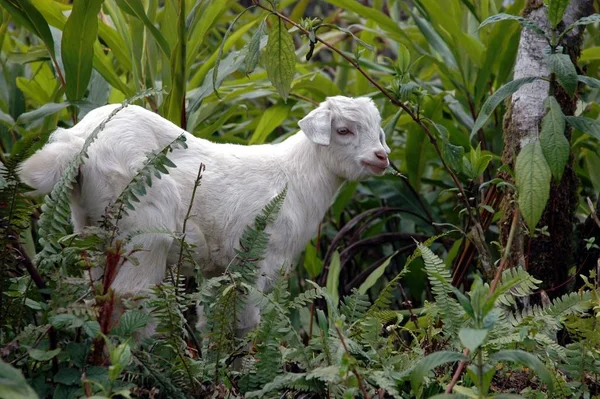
(350, 131)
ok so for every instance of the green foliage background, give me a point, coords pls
(230, 72)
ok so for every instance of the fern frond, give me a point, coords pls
(553, 314)
(581, 361)
(386, 296)
(305, 298)
(295, 381)
(515, 283)
(255, 239)
(439, 278)
(355, 306)
(156, 165)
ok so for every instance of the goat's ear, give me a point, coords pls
(383, 143)
(317, 125)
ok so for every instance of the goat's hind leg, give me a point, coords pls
(147, 250)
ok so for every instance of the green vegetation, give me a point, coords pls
(470, 271)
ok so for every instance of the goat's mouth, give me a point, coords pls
(377, 169)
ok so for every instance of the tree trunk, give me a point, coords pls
(546, 256)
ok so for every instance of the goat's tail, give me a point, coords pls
(44, 168)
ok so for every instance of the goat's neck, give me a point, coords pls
(310, 180)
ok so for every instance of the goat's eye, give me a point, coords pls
(343, 131)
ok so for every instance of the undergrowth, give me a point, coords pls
(349, 347)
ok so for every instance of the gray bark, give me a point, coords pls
(546, 257)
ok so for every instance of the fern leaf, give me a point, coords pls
(355, 306)
(255, 239)
(384, 300)
(515, 283)
(155, 164)
(439, 278)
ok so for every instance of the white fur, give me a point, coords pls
(237, 183)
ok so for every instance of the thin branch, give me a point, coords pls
(187, 217)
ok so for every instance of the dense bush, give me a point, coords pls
(424, 281)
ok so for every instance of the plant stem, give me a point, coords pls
(354, 370)
(187, 217)
(511, 236)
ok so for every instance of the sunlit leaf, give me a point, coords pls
(77, 46)
(556, 10)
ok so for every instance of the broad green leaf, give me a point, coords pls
(415, 156)
(523, 21)
(425, 365)
(228, 65)
(13, 385)
(528, 360)
(27, 15)
(375, 275)
(201, 24)
(472, 338)
(6, 118)
(77, 46)
(592, 166)
(566, 74)
(318, 85)
(495, 99)
(42, 112)
(207, 66)
(506, 396)
(41, 355)
(453, 154)
(312, 263)
(555, 145)
(116, 43)
(556, 10)
(591, 19)
(34, 53)
(585, 125)
(533, 183)
(589, 81)
(175, 101)
(280, 58)
(208, 131)
(590, 54)
(68, 376)
(254, 48)
(220, 52)
(436, 42)
(103, 64)
(448, 396)
(333, 278)
(131, 321)
(464, 301)
(136, 9)
(269, 121)
(343, 198)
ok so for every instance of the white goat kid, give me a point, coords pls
(340, 140)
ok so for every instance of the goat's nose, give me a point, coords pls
(380, 154)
